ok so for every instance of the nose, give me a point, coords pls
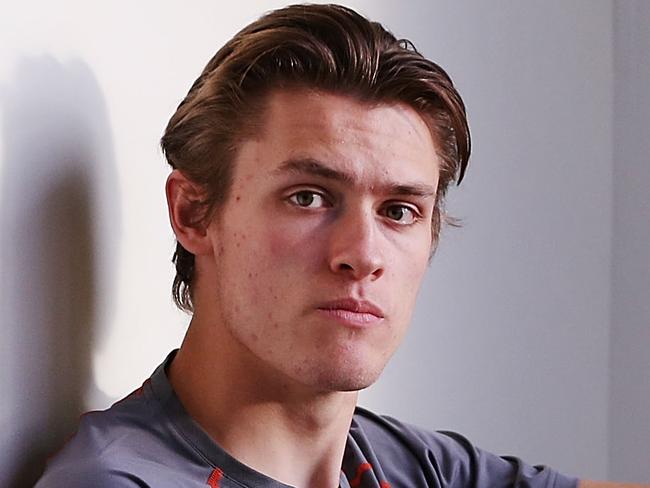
(355, 246)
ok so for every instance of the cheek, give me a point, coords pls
(418, 269)
(275, 261)
(407, 275)
(294, 246)
(412, 258)
(281, 244)
(415, 277)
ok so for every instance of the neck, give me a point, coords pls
(278, 427)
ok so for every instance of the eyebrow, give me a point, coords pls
(311, 166)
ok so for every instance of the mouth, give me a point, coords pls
(351, 312)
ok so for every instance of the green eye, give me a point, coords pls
(401, 214)
(308, 199)
(304, 198)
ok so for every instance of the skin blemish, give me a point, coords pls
(237, 198)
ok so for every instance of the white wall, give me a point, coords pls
(630, 334)
(511, 340)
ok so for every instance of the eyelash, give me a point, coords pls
(416, 215)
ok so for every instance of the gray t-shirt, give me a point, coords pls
(149, 440)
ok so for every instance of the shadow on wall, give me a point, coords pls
(60, 230)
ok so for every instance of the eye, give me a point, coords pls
(401, 214)
(308, 199)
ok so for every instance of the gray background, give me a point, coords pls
(532, 327)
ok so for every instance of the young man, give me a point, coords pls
(310, 163)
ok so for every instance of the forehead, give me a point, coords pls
(368, 142)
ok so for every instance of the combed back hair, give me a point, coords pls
(323, 47)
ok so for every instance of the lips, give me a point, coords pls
(353, 312)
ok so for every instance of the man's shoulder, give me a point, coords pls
(444, 456)
(108, 444)
(144, 440)
(89, 473)
(391, 432)
(123, 427)
(394, 439)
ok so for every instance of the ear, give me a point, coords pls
(184, 199)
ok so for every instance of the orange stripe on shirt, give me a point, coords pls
(215, 478)
(360, 470)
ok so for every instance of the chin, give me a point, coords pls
(346, 379)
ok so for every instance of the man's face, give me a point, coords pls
(321, 247)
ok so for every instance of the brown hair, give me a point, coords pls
(326, 47)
